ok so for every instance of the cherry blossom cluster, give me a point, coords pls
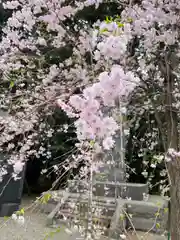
(92, 123)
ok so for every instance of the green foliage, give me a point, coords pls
(20, 212)
(45, 198)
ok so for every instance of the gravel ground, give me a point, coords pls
(35, 228)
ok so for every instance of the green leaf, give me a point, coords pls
(104, 30)
(158, 225)
(108, 19)
(92, 142)
(120, 24)
(45, 198)
(157, 214)
(165, 210)
(122, 217)
(11, 85)
(117, 18)
(129, 20)
(22, 211)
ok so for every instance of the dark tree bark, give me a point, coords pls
(172, 142)
(174, 171)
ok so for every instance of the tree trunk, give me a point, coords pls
(174, 172)
(172, 142)
(174, 177)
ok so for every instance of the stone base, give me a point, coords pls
(7, 209)
(143, 214)
(152, 214)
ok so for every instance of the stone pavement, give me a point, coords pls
(35, 229)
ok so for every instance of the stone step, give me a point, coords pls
(65, 214)
(70, 216)
(134, 191)
(82, 213)
(58, 195)
(102, 210)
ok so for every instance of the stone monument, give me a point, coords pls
(111, 194)
(10, 189)
(111, 182)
